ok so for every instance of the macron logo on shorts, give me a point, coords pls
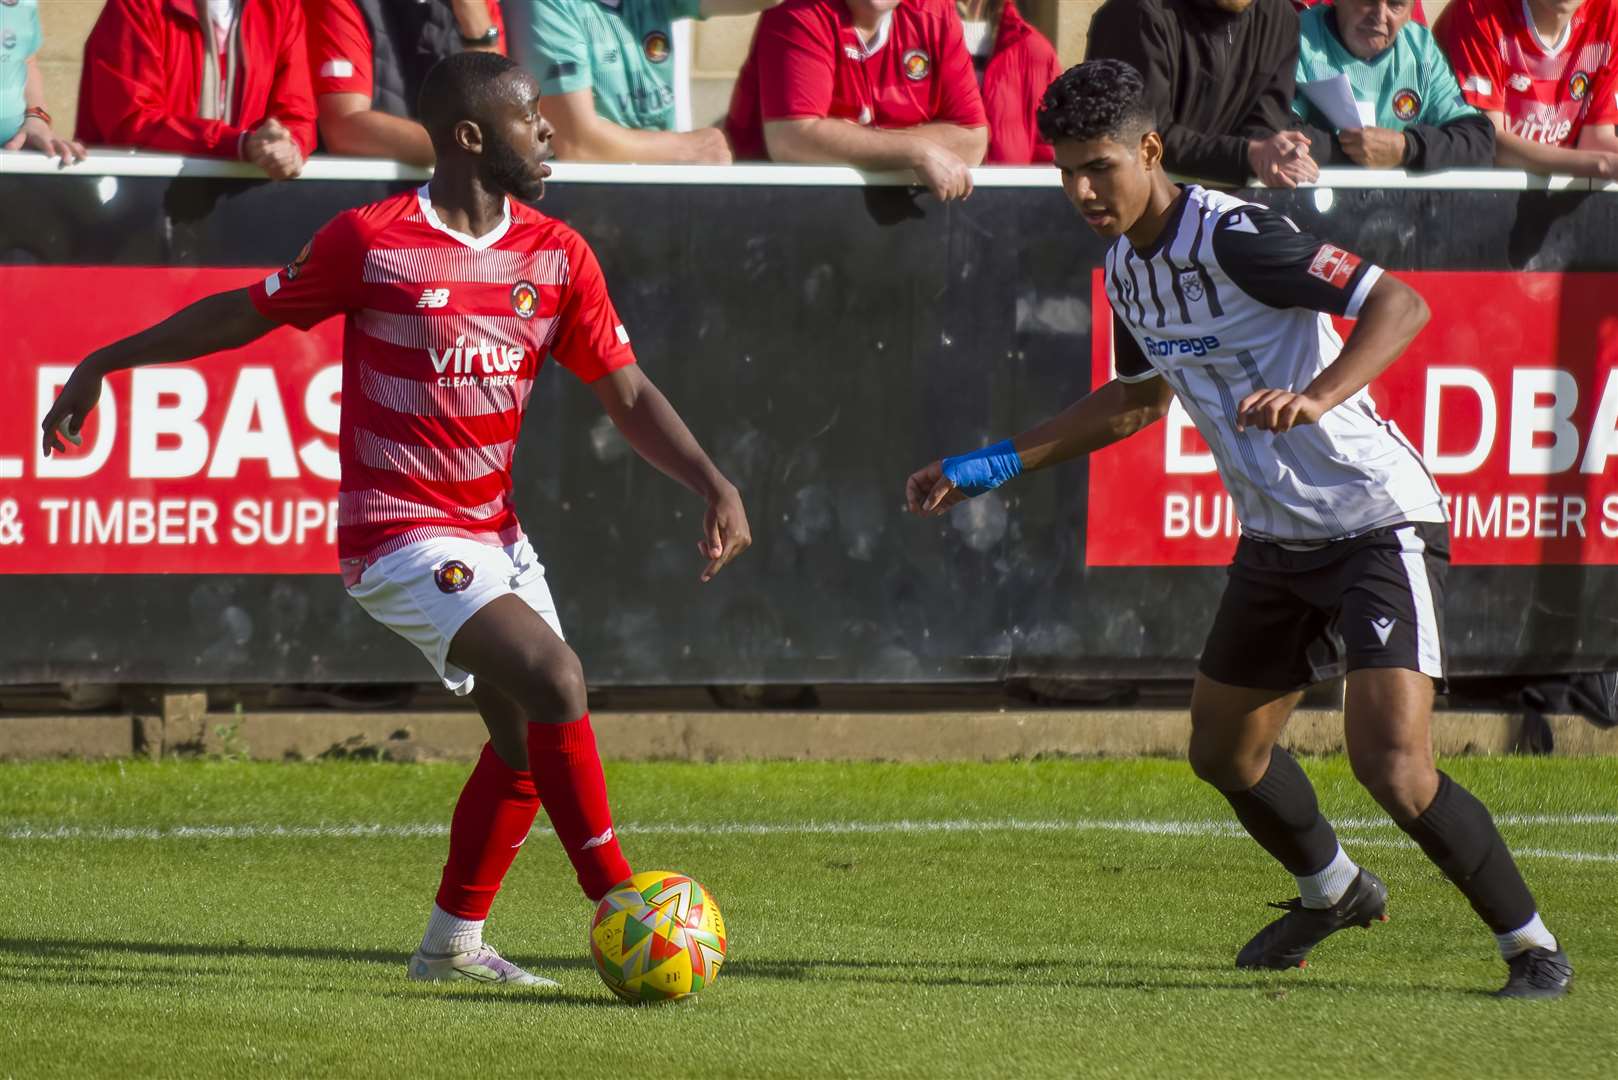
(1383, 627)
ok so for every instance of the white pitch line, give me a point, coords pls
(1134, 826)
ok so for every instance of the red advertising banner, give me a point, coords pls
(1510, 393)
(226, 464)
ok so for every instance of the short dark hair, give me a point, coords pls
(1096, 99)
(460, 87)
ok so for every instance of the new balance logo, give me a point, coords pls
(433, 298)
(598, 841)
(1383, 627)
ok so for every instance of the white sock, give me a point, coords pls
(1324, 889)
(1530, 935)
(449, 934)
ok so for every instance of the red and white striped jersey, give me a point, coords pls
(444, 335)
(1547, 90)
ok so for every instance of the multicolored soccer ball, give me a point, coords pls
(658, 937)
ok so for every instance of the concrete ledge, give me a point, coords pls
(181, 726)
(27, 738)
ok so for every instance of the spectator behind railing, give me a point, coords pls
(607, 72)
(1014, 65)
(368, 58)
(1411, 114)
(214, 78)
(1553, 101)
(877, 84)
(1417, 13)
(24, 123)
(1219, 75)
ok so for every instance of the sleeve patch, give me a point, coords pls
(623, 335)
(1333, 265)
(1477, 84)
(272, 284)
(337, 69)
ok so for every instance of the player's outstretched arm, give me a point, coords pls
(1391, 316)
(1115, 411)
(222, 321)
(644, 416)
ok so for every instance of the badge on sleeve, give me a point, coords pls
(1333, 265)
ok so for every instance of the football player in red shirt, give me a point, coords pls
(1545, 72)
(453, 296)
(878, 84)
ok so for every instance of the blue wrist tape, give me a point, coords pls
(983, 470)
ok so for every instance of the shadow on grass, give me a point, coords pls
(1096, 974)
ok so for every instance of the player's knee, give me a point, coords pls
(553, 688)
(1216, 763)
(1401, 781)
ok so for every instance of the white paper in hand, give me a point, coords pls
(1334, 97)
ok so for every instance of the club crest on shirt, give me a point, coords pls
(295, 267)
(1578, 85)
(1191, 285)
(917, 64)
(1406, 104)
(656, 45)
(524, 299)
(452, 576)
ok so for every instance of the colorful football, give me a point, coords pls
(658, 937)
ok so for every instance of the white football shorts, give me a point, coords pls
(427, 591)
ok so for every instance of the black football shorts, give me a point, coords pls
(1292, 618)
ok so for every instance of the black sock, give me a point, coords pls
(1459, 836)
(1280, 812)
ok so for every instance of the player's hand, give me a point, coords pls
(271, 147)
(1374, 147)
(725, 532)
(945, 175)
(1604, 167)
(71, 408)
(1283, 160)
(929, 493)
(1276, 410)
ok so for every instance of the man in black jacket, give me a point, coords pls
(1219, 76)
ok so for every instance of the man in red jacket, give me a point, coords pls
(213, 78)
(1014, 64)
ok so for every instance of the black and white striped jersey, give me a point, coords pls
(1234, 298)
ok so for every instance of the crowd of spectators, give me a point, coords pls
(1272, 89)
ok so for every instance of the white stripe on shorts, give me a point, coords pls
(1429, 650)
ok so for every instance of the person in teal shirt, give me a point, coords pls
(24, 123)
(606, 75)
(1411, 112)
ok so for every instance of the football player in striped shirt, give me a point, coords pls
(1225, 305)
(453, 296)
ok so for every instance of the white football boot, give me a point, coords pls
(479, 965)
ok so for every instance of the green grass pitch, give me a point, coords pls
(1054, 918)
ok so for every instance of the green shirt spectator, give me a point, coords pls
(1404, 88)
(606, 75)
(24, 123)
(19, 41)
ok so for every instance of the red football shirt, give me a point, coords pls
(1548, 91)
(444, 335)
(808, 61)
(340, 46)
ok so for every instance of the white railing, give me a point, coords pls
(116, 163)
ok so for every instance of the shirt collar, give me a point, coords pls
(476, 243)
(1549, 48)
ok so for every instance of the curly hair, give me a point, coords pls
(460, 87)
(1096, 99)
